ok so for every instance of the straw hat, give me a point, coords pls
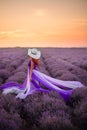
(34, 53)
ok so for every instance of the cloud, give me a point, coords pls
(11, 34)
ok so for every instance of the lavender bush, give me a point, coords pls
(9, 116)
(45, 111)
(79, 105)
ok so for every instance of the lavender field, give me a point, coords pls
(42, 111)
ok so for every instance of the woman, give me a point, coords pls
(34, 55)
(35, 79)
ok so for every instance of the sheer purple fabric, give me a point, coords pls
(64, 88)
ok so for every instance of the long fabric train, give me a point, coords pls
(64, 88)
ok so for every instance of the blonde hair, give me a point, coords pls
(36, 61)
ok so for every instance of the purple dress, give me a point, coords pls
(64, 88)
(35, 66)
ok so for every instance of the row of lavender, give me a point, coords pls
(44, 111)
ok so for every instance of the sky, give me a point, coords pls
(43, 23)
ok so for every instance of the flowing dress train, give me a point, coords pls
(64, 88)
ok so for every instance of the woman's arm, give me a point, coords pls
(31, 69)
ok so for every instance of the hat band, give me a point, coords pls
(33, 53)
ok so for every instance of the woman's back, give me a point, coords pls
(36, 63)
